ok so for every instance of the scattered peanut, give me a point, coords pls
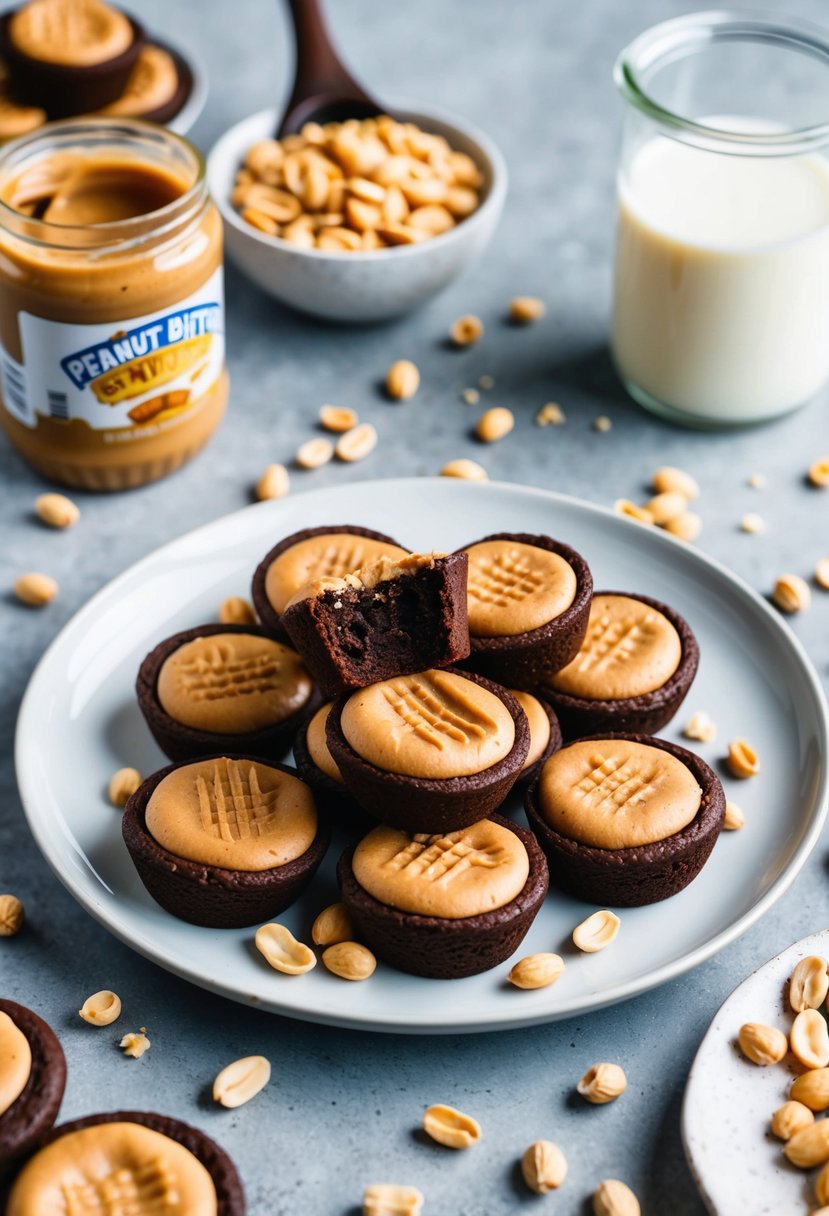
(494, 424)
(466, 330)
(349, 960)
(12, 915)
(670, 479)
(35, 589)
(602, 424)
(402, 380)
(123, 785)
(822, 573)
(757, 481)
(791, 593)
(536, 971)
(700, 727)
(281, 949)
(809, 1039)
(734, 818)
(762, 1044)
(338, 418)
(822, 1188)
(790, 1118)
(602, 1083)
(101, 1009)
(596, 932)
(666, 506)
(614, 1198)
(742, 760)
(686, 526)
(810, 1146)
(236, 611)
(332, 926)
(135, 1044)
(56, 510)
(467, 470)
(623, 506)
(486, 382)
(388, 1199)
(809, 983)
(752, 523)
(314, 453)
(274, 482)
(240, 1081)
(811, 1089)
(550, 415)
(523, 310)
(470, 396)
(819, 473)
(544, 1167)
(451, 1127)
(357, 443)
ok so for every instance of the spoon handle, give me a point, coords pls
(319, 69)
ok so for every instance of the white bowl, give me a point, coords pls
(370, 286)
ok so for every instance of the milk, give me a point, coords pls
(721, 305)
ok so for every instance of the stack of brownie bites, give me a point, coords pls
(416, 690)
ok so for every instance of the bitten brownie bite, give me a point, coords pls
(128, 1162)
(393, 617)
(431, 752)
(448, 905)
(314, 553)
(528, 605)
(223, 687)
(633, 671)
(32, 1081)
(625, 819)
(226, 841)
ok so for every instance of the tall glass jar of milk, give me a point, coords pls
(721, 298)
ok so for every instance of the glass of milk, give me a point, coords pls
(721, 294)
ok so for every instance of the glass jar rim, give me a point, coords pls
(671, 40)
(116, 235)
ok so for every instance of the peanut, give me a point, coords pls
(614, 1198)
(349, 960)
(544, 1167)
(669, 479)
(101, 1009)
(236, 611)
(356, 444)
(752, 523)
(451, 1127)
(387, 1199)
(494, 424)
(332, 926)
(666, 506)
(602, 424)
(536, 971)
(314, 453)
(56, 510)
(274, 483)
(822, 573)
(240, 1081)
(810, 1146)
(700, 727)
(734, 818)
(812, 1089)
(467, 470)
(338, 418)
(123, 785)
(742, 760)
(819, 473)
(822, 1187)
(550, 415)
(35, 590)
(467, 330)
(135, 1044)
(596, 932)
(809, 983)
(523, 310)
(790, 1118)
(602, 1083)
(762, 1044)
(281, 949)
(686, 526)
(470, 396)
(809, 1039)
(12, 915)
(402, 380)
(623, 506)
(791, 593)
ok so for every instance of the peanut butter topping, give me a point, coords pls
(113, 1169)
(434, 724)
(629, 649)
(317, 745)
(329, 555)
(236, 814)
(76, 33)
(15, 1062)
(232, 683)
(539, 725)
(514, 588)
(614, 794)
(383, 570)
(463, 873)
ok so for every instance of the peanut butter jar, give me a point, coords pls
(112, 367)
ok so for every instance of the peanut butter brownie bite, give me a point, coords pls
(32, 1081)
(430, 752)
(625, 819)
(633, 671)
(304, 557)
(223, 687)
(528, 605)
(545, 733)
(317, 768)
(446, 905)
(226, 841)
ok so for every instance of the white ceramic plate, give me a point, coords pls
(738, 1165)
(79, 722)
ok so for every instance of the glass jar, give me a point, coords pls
(112, 369)
(721, 287)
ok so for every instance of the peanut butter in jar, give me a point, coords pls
(112, 369)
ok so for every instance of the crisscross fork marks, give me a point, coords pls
(337, 560)
(504, 579)
(150, 1190)
(612, 785)
(222, 673)
(609, 642)
(233, 807)
(431, 719)
(440, 859)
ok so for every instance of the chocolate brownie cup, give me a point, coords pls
(444, 906)
(226, 841)
(636, 664)
(432, 752)
(160, 1164)
(545, 733)
(625, 819)
(32, 1081)
(316, 767)
(528, 604)
(303, 557)
(393, 617)
(223, 688)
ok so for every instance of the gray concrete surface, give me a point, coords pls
(342, 1106)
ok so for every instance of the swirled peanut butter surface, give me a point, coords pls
(513, 588)
(113, 1169)
(235, 814)
(615, 794)
(232, 683)
(630, 649)
(435, 724)
(539, 724)
(459, 874)
(317, 745)
(15, 1062)
(329, 555)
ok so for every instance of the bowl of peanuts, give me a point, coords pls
(357, 221)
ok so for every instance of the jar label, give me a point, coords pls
(127, 379)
